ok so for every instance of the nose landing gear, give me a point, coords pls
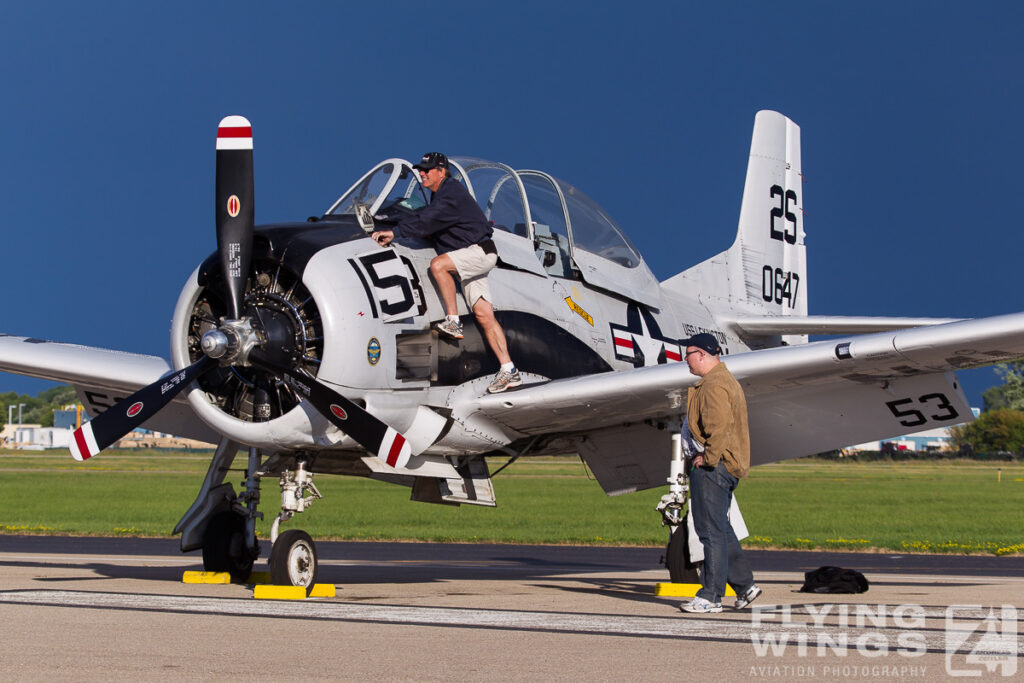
(293, 558)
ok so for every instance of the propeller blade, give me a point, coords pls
(387, 443)
(235, 196)
(115, 422)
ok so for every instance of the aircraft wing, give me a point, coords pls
(101, 377)
(74, 364)
(802, 399)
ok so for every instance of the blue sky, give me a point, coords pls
(910, 115)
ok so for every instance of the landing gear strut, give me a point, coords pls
(674, 510)
(229, 543)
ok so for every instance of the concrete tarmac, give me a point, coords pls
(104, 609)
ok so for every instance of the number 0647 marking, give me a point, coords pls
(778, 285)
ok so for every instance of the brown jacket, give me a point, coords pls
(717, 413)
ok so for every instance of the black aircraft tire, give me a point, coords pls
(677, 558)
(293, 560)
(224, 548)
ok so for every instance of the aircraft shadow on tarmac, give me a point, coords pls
(636, 591)
(361, 572)
(642, 591)
(354, 563)
(102, 571)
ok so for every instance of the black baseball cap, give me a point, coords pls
(704, 342)
(432, 160)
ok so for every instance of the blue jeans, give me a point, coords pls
(710, 496)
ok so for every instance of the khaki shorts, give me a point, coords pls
(472, 264)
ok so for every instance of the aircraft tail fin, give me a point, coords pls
(764, 272)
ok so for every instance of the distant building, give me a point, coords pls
(12, 434)
(65, 419)
(144, 438)
(36, 437)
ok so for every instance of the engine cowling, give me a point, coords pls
(287, 322)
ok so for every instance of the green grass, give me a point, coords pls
(927, 507)
(909, 507)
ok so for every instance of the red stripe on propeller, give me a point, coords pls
(234, 132)
(396, 449)
(83, 448)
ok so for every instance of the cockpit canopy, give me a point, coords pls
(571, 236)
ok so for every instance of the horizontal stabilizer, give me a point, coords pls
(769, 325)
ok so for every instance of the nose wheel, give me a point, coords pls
(293, 560)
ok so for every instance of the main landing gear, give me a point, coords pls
(229, 542)
(673, 508)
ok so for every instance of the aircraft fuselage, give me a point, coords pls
(369, 330)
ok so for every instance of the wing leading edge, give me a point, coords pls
(75, 364)
(754, 326)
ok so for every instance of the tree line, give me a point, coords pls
(38, 409)
(1000, 427)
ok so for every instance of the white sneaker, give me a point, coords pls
(748, 597)
(451, 328)
(701, 605)
(505, 380)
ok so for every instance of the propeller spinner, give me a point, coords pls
(236, 341)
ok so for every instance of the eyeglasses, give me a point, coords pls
(687, 354)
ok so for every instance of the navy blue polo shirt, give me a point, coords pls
(452, 220)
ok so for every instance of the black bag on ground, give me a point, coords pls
(834, 580)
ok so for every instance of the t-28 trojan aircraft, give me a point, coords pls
(310, 345)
